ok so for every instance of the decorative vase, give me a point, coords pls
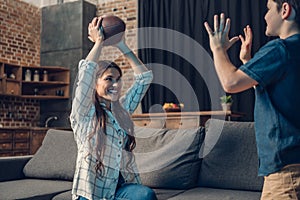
(226, 106)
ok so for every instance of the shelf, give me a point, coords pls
(13, 83)
(45, 83)
(56, 85)
(10, 82)
(43, 97)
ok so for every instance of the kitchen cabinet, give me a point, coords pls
(44, 82)
(22, 141)
(10, 78)
(54, 86)
(36, 139)
(14, 142)
(166, 122)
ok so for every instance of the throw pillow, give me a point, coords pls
(56, 158)
(229, 155)
(168, 158)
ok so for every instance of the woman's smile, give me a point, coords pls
(109, 85)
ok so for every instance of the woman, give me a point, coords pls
(102, 126)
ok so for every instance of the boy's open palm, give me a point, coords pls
(245, 53)
(219, 37)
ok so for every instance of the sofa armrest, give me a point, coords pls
(11, 168)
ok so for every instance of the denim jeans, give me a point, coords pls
(284, 184)
(130, 191)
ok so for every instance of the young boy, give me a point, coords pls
(274, 71)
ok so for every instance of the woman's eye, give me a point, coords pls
(108, 79)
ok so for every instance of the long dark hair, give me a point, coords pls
(122, 116)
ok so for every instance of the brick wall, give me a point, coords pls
(19, 45)
(18, 112)
(19, 33)
(127, 11)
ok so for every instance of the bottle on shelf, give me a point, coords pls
(45, 76)
(28, 75)
(36, 76)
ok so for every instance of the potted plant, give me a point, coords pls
(226, 102)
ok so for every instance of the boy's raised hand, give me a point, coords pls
(218, 39)
(245, 52)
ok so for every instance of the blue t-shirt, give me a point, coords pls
(276, 68)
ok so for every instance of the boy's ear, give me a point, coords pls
(288, 12)
(292, 14)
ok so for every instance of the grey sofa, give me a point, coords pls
(218, 161)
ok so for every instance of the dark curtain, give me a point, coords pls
(174, 44)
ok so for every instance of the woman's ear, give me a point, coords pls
(288, 12)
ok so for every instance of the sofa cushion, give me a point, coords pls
(229, 156)
(56, 158)
(63, 196)
(163, 194)
(213, 194)
(33, 189)
(168, 158)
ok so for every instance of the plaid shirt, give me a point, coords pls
(86, 182)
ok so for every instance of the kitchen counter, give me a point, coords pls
(181, 119)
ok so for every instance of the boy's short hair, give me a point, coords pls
(295, 4)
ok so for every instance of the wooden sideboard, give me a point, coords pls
(19, 141)
(181, 119)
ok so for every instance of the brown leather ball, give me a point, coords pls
(113, 29)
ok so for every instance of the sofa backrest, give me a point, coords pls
(168, 158)
(55, 159)
(229, 155)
